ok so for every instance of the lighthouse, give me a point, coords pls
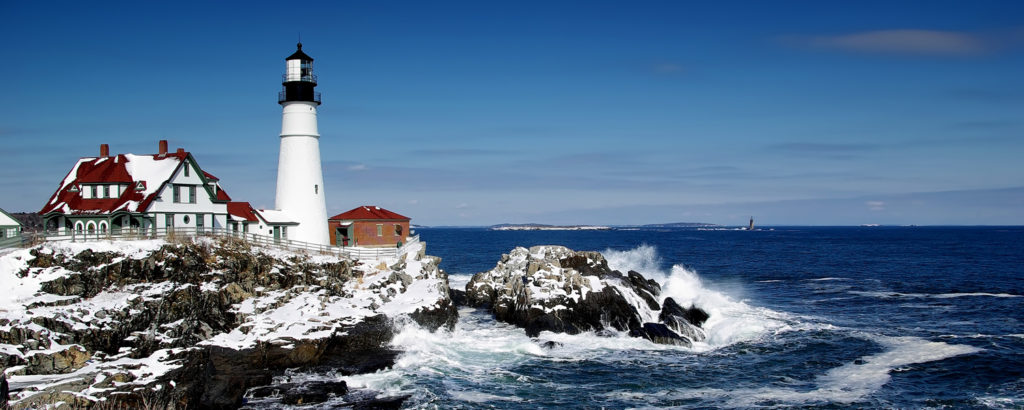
(300, 180)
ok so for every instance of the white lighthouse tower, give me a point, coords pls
(300, 180)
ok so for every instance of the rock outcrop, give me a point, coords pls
(196, 323)
(552, 288)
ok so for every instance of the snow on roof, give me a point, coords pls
(275, 217)
(148, 172)
(7, 220)
(369, 212)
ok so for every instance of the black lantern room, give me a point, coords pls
(298, 79)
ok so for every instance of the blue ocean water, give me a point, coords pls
(884, 317)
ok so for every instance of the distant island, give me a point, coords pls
(544, 227)
(541, 227)
(682, 225)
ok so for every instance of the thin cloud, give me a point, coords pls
(357, 167)
(1004, 96)
(668, 68)
(904, 41)
(875, 205)
(460, 152)
(841, 151)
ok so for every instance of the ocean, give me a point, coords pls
(881, 317)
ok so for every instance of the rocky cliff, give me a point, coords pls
(198, 322)
(552, 288)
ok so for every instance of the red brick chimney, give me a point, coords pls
(104, 150)
(181, 151)
(163, 147)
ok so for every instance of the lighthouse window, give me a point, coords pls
(316, 189)
(306, 70)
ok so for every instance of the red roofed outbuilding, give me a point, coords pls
(369, 226)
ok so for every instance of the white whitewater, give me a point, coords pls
(481, 361)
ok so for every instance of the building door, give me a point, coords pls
(277, 234)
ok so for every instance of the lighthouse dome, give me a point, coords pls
(299, 55)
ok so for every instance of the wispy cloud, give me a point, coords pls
(901, 41)
(461, 152)
(875, 205)
(668, 68)
(820, 149)
(1002, 96)
(357, 167)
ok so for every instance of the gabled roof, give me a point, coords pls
(242, 211)
(369, 212)
(153, 171)
(7, 219)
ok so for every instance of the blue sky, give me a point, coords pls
(474, 113)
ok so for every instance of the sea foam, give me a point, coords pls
(730, 320)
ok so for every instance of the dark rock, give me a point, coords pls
(550, 344)
(549, 288)
(383, 403)
(459, 297)
(659, 333)
(685, 322)
(648, 289)
(207, 283)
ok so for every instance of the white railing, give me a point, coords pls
(350, 252)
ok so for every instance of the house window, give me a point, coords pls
(93, 191)
(186, 169)
(103, 227)
(284, 232)
(79, 226)
(200, 222)
(169, 220)
(380, 229)
(175, 193)
(398, 230)
(191, 194)
(245, 227)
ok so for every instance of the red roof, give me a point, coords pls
(242, 210)
(148, 172)
(369, 212)
(104, 170)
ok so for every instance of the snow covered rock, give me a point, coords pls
(553, 288)
(197, 322)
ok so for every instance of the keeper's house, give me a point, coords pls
(145, 193)
(10, 230)
(369, 226)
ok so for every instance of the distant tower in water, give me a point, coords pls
(751, 227)
(300, 180)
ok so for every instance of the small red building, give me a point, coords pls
(369, 226)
